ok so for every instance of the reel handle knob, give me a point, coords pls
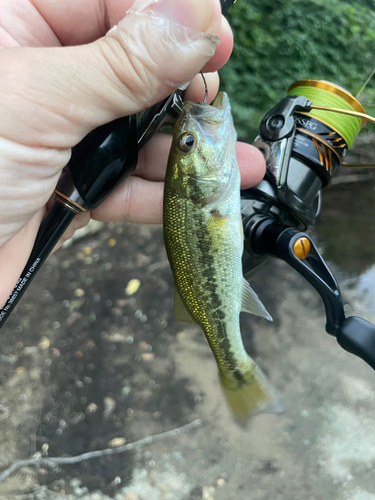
(357, 336)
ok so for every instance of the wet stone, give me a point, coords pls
(116, 442)
(208, 493)
(131, 495)
(147, 357)
(132, 287)
(109, 406)
(44, 343)
(91, 408)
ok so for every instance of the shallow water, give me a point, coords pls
(345, 231)
(87, 366)
(346, 226)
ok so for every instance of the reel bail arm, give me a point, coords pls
(353, 334)
(279, 121)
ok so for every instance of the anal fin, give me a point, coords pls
(251, 303)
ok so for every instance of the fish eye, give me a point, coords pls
(187, 142)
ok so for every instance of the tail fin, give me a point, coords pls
(251, 395)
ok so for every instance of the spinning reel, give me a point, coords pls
(304, 147)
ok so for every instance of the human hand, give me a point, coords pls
(51, 97)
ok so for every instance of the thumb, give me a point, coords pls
(63, 93)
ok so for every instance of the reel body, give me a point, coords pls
(302, 153)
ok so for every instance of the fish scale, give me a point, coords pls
(204, 243)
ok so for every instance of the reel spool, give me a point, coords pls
(323, 137)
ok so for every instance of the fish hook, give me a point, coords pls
(205, 89)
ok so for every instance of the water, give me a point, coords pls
(87, 367)
(345, 231)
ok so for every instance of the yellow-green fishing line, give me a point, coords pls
(347, 126)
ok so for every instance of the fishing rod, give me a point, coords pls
(99, 163)
(304, 140)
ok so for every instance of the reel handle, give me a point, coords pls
(357, 336)
(353, 334)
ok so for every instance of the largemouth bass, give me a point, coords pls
(204, 242)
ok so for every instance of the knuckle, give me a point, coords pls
(127, 70)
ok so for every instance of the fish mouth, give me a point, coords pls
(213, 113)
(221, 101)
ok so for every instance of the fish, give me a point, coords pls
(204, 242)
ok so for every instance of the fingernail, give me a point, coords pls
(173, 39)
(194, 14)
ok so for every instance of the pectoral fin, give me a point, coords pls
(180, 311)
(250, 302)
